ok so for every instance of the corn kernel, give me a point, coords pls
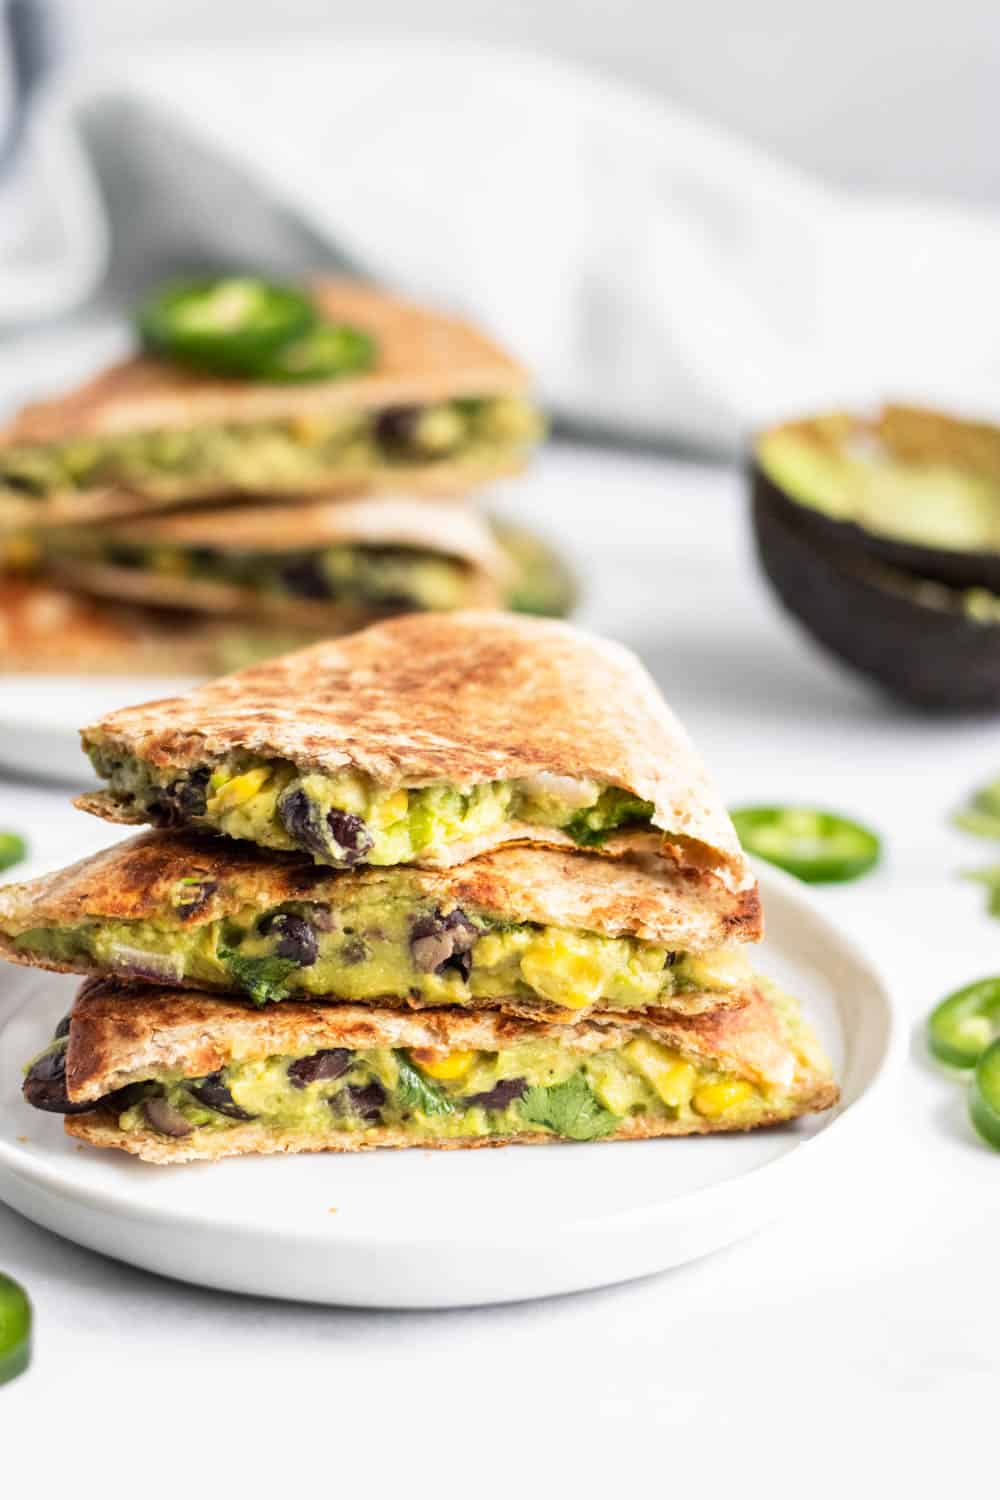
(19, 552)
(570, 975)
(168, 560)
(720, 969)
(715, 1099)
(455, 1064)
(393, 808)
(234, 793)
(672, 1078)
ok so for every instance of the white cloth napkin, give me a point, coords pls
(662, 279)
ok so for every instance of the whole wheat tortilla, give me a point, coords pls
(46, 628)
(423, 357)
(450, 528)
(464, 698)
(124, 1032)
(136, 881)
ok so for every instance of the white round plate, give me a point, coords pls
(41, 717)
(452, 1228)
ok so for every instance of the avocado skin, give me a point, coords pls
(933, 658)
(961, 570)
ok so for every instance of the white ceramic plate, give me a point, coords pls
(445, 1229)
(41, 717)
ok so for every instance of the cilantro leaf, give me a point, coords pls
(262, 978)
(415, 1092)
(581, 832)
(570, 1109)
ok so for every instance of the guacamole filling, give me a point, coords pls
(857, 478)
(382, 578)
(297, 451)
(530, 1087)
(347, 819)
(384, 943)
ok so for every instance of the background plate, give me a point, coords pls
(444, 1229)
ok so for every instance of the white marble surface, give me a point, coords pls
(796, 1360)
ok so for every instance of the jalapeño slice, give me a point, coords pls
(964, 1024)
(984, 1101)
(15, 1329)
(817, 846)
(321, 353)
(227, 324)
(12, 849)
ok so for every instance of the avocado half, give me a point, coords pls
(919, 639)
(916, 489)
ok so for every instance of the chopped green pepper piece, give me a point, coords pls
(964, 1024)
(984, 1101)
(12, 849)
(15, 1329)
(227, 324)
(819, 847)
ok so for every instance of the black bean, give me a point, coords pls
(63, 1028)
(396, 427)
(45, 1085)
(298, 814)
(164, 1118)
(193, 896)
(307, 577)
(182, 800)
(500, 1095)
(339, 838)
(366, 1100)
(319, 1067)
(350, 836)
(296, 938)
(354, 951)
(440, 943)
(213, 1093)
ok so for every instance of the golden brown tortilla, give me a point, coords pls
(450, 528)
(122, 1034)
(462, 698)
(423, 357)
(137, 880)
(45, 628)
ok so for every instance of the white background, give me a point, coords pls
(853, 1348)
(889, 94)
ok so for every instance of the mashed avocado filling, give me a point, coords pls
(529, 1087)
(348, 819)
(388, 942)
(271, 456)
(371, 577)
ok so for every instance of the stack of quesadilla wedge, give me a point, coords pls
(454, 880)
(179, 513)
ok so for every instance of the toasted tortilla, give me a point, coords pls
(48, 629)
(136, 881)
(423, 357)
(121, 1034)
(464, 698)
(448, 527)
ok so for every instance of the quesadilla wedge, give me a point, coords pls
(536, 931)
(428, 739)
(45, 628)
(175, 1076)
(334, 563)
(443, 409)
